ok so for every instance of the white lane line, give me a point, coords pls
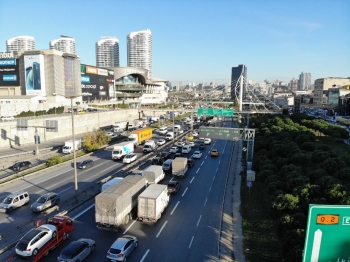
(82, 212)
(160, 231)
(224, 147)
(206, 157)
(191, 180)
(217, 169)
(213, 178)
(199, 220)
(178, 202)
(197, 170)
(144, 256)
(126, 230)
(185, 191)
(191, 242)
(205, 201)
(65, 190)
(202, 163)
(219, 162)
(171, 179)
(209, 189)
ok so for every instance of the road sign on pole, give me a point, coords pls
(215, 111)
(249, 183)
(327, 233)
(219, 133)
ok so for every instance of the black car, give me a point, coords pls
(19, 166)
(164, 155)
(157, 161)
(173, 187)
(201, 147)
(179, 154)
(85, 164)
(91, 109)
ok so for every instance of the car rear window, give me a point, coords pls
(22, 245)
(70, 250)
(171, 185)
(114, 250)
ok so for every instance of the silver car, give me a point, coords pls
(77, 250)
(121, 248)
(45, 201)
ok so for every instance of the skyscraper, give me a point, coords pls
(236, 73)
(140, 50)
(64, 44)
(107, 52)
(20, 43)
(304, 81)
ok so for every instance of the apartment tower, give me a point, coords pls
(20, 43)
(65, 44)
(140, 50)
(107, 52)
(304, 81)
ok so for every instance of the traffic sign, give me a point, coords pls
(249, 183)
(215, 111)
(228, 112)
(220, 133)
(327, 233)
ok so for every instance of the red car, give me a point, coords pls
(190, 162)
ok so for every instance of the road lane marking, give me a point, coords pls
(191, 180)
(171, 179)
(82, 212)
(206, 157)
(213, 178)
(197, 170)
(219, 162)
(178, 202)
(202, 163)
(205, 201)
(199, 220)
(185, 191)
(126, 230)
(144, 256)
(160, 231)
(65, 190)
(191, 242)
(216, 169)
(210, 189)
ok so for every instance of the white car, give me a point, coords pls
(129, 158)
(195, 134)
(35, 239)
(7, 118)
(180, 144)
(207, 141)
(173, 149)
(191, 144)
(109, 133)
(161, 142)
(181, 131)
(197, 154)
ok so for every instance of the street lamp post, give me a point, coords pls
(173, 125)
(74, 153)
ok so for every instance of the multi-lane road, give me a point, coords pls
(188, 230)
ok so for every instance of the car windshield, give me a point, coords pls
(41, 199)
(18, 164)
(171, 185)
(114, 250)
(197, 152)
(8, 200)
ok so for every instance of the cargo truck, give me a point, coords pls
(68, 146)
(122, 149)
(120, 126)
(114, 206)
(179, 167)
(110, 183)
(153, 174)
(140, 136)
(152, 202)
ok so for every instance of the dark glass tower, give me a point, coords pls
(235, 84)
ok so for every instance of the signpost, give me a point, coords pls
(215, 111)
(219, 133)
(327, 234)
(249, 185)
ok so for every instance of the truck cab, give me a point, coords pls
(149, 146)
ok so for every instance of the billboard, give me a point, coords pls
(9, 72)
(34, 75)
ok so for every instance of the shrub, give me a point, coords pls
(55, 160)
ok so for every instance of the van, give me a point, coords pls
(169, 136)
(163, 130)
(167, 165)
(186, 149)
(149, 146)
(13, 201)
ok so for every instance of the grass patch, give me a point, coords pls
(261, 241)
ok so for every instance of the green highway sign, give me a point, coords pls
(327, 234)
(227, 112)
(219, 133)
(215, 111)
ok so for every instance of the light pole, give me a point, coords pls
(173, 125)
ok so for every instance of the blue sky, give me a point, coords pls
(199, 40)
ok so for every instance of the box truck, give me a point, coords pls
(140, 136)
(152, 202)
(153, 174)
(68, 146)
(119, 126)
(122, 149)
(114, 206)
(110, 183)
(179, 167)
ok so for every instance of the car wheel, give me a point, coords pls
(35, 252)
(124, 260)
(57, 202)
(66, 236)
(93, 248)
(9, 210)
(54, 234)
(136, 244)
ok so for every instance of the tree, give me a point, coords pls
(96, 139)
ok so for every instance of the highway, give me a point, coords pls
(189, 227)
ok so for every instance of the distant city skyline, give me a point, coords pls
(276, 40)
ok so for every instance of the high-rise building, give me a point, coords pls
(140, 50)
(236, 73)
(20, 43)
(294, 85)
(304, 81)
(107, 52)
(65, 44)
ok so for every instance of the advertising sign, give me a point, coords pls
(91, 70)
(34, 75)
(9, 72)
(102, 72)
(9, 78)
(7, 62)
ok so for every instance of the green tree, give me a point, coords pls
(56, 159)
(94, 140)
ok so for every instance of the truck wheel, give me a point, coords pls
(66, 235)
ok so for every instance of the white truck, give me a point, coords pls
(110, 183)
(122, 149)
(152, 202)
(149, 146)
(153, 174)
(114, 206)
(179, 167)
(119, 126)
(68, 146)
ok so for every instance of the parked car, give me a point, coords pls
(121, 248)
(85, 164)
(207, 141)
(173, 187)
(197, 154)
(161, 142)
(201, 146)
(34, 240)
(129, 158)
(45, 201)
(19, 166)
(214, 152)
(190, 162)
(77, 250)
(157, 161)
(174, 149)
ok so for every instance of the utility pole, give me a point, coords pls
(173, 125)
